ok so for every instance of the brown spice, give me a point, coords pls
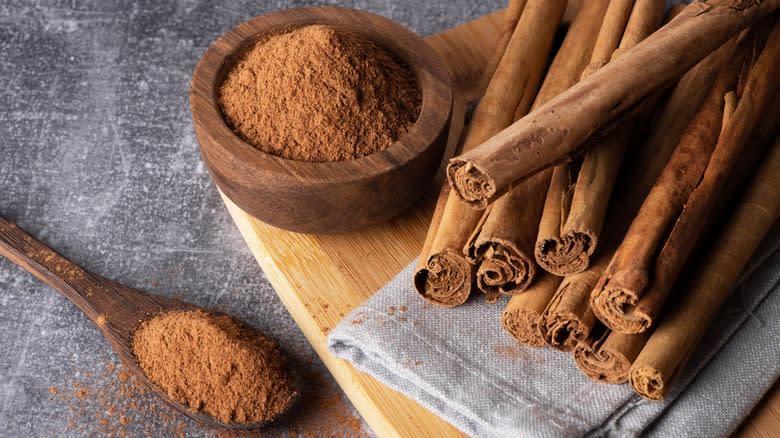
(215, 366)
(513, 352)
(121, 400)
(319, 93)
(324, 412)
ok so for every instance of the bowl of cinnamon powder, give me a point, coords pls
(322, 119)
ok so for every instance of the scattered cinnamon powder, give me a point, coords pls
(360, 318)
(510, 351)
(114, 405)
(124, 375)
(132, 410)
(215, 365)
(319, 93)
(323, 412)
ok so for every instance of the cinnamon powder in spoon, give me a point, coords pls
(215, 365)
(319, 93)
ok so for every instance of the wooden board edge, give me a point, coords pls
(370, 397)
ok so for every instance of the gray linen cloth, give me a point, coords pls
(461, 365)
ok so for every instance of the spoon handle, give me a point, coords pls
(76, 284)
(116, 309)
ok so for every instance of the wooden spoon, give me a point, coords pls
(117, 310)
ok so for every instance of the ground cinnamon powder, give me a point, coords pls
(319, 93)
(215, 365)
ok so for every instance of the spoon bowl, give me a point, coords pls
(116, 309)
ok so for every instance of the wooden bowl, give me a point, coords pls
(327, 197)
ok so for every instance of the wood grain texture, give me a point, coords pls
(321, 278)
(334, 196)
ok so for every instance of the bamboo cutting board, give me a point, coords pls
(320, 279)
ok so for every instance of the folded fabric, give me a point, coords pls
(460, 364)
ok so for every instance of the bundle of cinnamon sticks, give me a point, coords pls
(615, 186)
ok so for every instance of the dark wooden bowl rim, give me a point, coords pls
(431, 73)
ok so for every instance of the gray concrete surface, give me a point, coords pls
(98, 159)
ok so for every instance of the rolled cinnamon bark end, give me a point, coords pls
(473, 185)
(647, 382)
(445, 280)
(562, 327)
(568, 319)
(614, 306)
(567, 255)
(606, 356)
(564, 330)
(602, 365)
(522, 316)
(504, 271)
(523, 325)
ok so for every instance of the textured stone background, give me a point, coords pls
(98, 159)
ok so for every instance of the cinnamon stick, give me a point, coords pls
(509, 21)
(444, 276)
(568, 318)
(522, 315)
(676, 114)
(625, 278)
(562, 182)
(624, 300)
(738, 124)
(677, 335)
(566, 249)
(557, 129)
(610, 34)
(607, 356)
(502, 244)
